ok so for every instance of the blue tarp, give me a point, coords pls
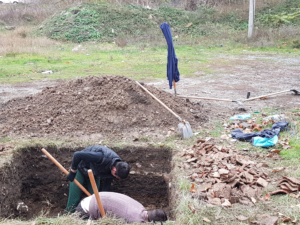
(172, 66)
(263, 138)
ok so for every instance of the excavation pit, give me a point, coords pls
(36, 181)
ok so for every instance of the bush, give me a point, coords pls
(296, 44)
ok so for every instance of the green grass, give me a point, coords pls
(294, 137)
(134, 61)
(131, 61)
(104, 22)
(4, 139)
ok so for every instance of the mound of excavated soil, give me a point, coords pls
(95, 105)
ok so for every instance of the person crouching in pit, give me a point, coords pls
(118, 206)
(104, 163)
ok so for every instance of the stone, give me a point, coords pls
(10, 27)
(262, 182)
(223, 171)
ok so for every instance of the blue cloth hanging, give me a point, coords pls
(172, 66)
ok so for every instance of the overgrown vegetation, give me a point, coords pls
(103, 22)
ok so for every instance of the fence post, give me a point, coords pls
(251, 18)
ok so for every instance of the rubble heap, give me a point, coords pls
(223, 176)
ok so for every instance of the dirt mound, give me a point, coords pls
(95, 105)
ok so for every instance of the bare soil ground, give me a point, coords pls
(233, 76)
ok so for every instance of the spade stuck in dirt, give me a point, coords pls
(184, 126)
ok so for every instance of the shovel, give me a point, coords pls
(213, 99)
(262, 96)
(97, 196)
(174, 85)
(184, 126)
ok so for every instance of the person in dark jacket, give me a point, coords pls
(119, 206)
(104, 163)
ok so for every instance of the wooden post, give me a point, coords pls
(96, 193)
(251, 18)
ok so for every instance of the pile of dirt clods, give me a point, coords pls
(94, 105)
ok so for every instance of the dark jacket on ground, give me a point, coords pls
(98, 158)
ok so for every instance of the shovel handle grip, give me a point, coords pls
(96, 193)
(64, 170)
(160, 102)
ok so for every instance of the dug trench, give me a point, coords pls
(33, 179)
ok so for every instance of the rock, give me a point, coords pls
(226, 203)
(10, 27)
(245, 125)
(21, 207)
(192, 159)
(194, 176)
(169, 133)
(167, 178)
(47, 72)
(223, 171)
(242, 218)
(262, 182)
(91, 98)
(216, 175)
(76, 48)
(266, 219)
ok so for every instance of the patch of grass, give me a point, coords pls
(144, 139)
(294, 136)
(216, 129)
(4, 139)
(95, 60)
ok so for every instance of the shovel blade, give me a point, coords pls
(185, 129)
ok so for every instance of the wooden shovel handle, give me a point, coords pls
(174, 84)
(160, 102)
(196, 97)
(96, 193)
(262, 96)
(64, 170)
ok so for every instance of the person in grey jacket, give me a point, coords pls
(119, 206)
(105, 164)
